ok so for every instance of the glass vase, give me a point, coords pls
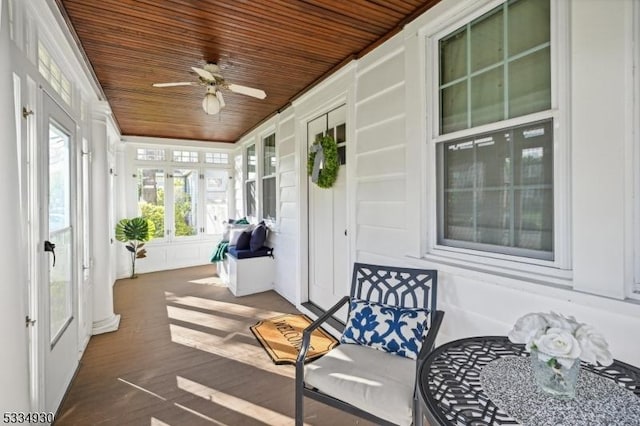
(553, 378)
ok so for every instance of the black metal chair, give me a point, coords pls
(380, 379)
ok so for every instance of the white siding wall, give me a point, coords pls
(285, 238)
(389, 169)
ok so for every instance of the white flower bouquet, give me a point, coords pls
(560, 340)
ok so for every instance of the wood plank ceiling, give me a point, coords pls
(280, 46)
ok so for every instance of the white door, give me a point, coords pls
(58, 327)
(328, 243)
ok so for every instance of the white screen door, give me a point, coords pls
(58, 289)
(328, 242)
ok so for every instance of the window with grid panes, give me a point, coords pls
(495, 185)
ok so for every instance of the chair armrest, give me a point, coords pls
(430, 340)
(306, 334)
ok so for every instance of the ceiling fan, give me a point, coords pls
(210, 77)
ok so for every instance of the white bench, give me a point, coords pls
(247, 275)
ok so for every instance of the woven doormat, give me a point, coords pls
(281, 337)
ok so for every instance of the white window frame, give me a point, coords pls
(168, 166)
(559, 112)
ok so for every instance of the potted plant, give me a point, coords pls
(135, 232)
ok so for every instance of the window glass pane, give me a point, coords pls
(493, 161)
(251, 162)
(269, 152)
(341, 133)
(493, 217)
(151, 197)
(453, 57)
(487, 97)
(216, 157)
(185, 156)
(150, 154)
(530, 83)
(458, 215)
(269, 198)
(497, 191)
(529, 24)
(217, 210)
(185, 198)
(460, 169)
(533, 159)
(453, 104)
(250, 188)
(486, 38)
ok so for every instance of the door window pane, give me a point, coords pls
(185, 198)
(216, 207)
(60, 231)
(151, 197)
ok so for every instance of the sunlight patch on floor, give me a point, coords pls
(141, 389)
(205, 320)
(214, 281)
(215, 305)
(197, 413)
(231, 402)
(156, 422)
(237, 351)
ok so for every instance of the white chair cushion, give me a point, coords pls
(377, 382)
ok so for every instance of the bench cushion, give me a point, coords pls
(374, 381)
(247, 253)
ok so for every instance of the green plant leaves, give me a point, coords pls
(136, 229)
(329, 172)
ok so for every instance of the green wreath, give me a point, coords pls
(329, 171)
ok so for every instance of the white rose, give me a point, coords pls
(594, 347)
(559, 344)
(528, 328)
(559, 321)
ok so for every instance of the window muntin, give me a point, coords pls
(492, 69)
(269, 177)
(495, 187)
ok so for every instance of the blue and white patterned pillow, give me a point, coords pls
(387, 328)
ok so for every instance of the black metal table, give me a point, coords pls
(450, 388)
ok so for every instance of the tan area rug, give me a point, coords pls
(281, 337)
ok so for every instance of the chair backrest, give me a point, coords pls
(405, 287)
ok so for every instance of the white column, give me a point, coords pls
(104, 319)
(14, 373)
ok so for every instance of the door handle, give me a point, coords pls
(49, 246)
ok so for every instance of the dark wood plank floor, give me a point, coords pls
(184, 355)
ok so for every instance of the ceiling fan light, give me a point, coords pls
(210, 104)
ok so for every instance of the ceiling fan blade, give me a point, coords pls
(249, 91)
(204, 74)
(182, 83)
(220, 98)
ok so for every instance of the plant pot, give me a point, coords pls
(553, 378)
